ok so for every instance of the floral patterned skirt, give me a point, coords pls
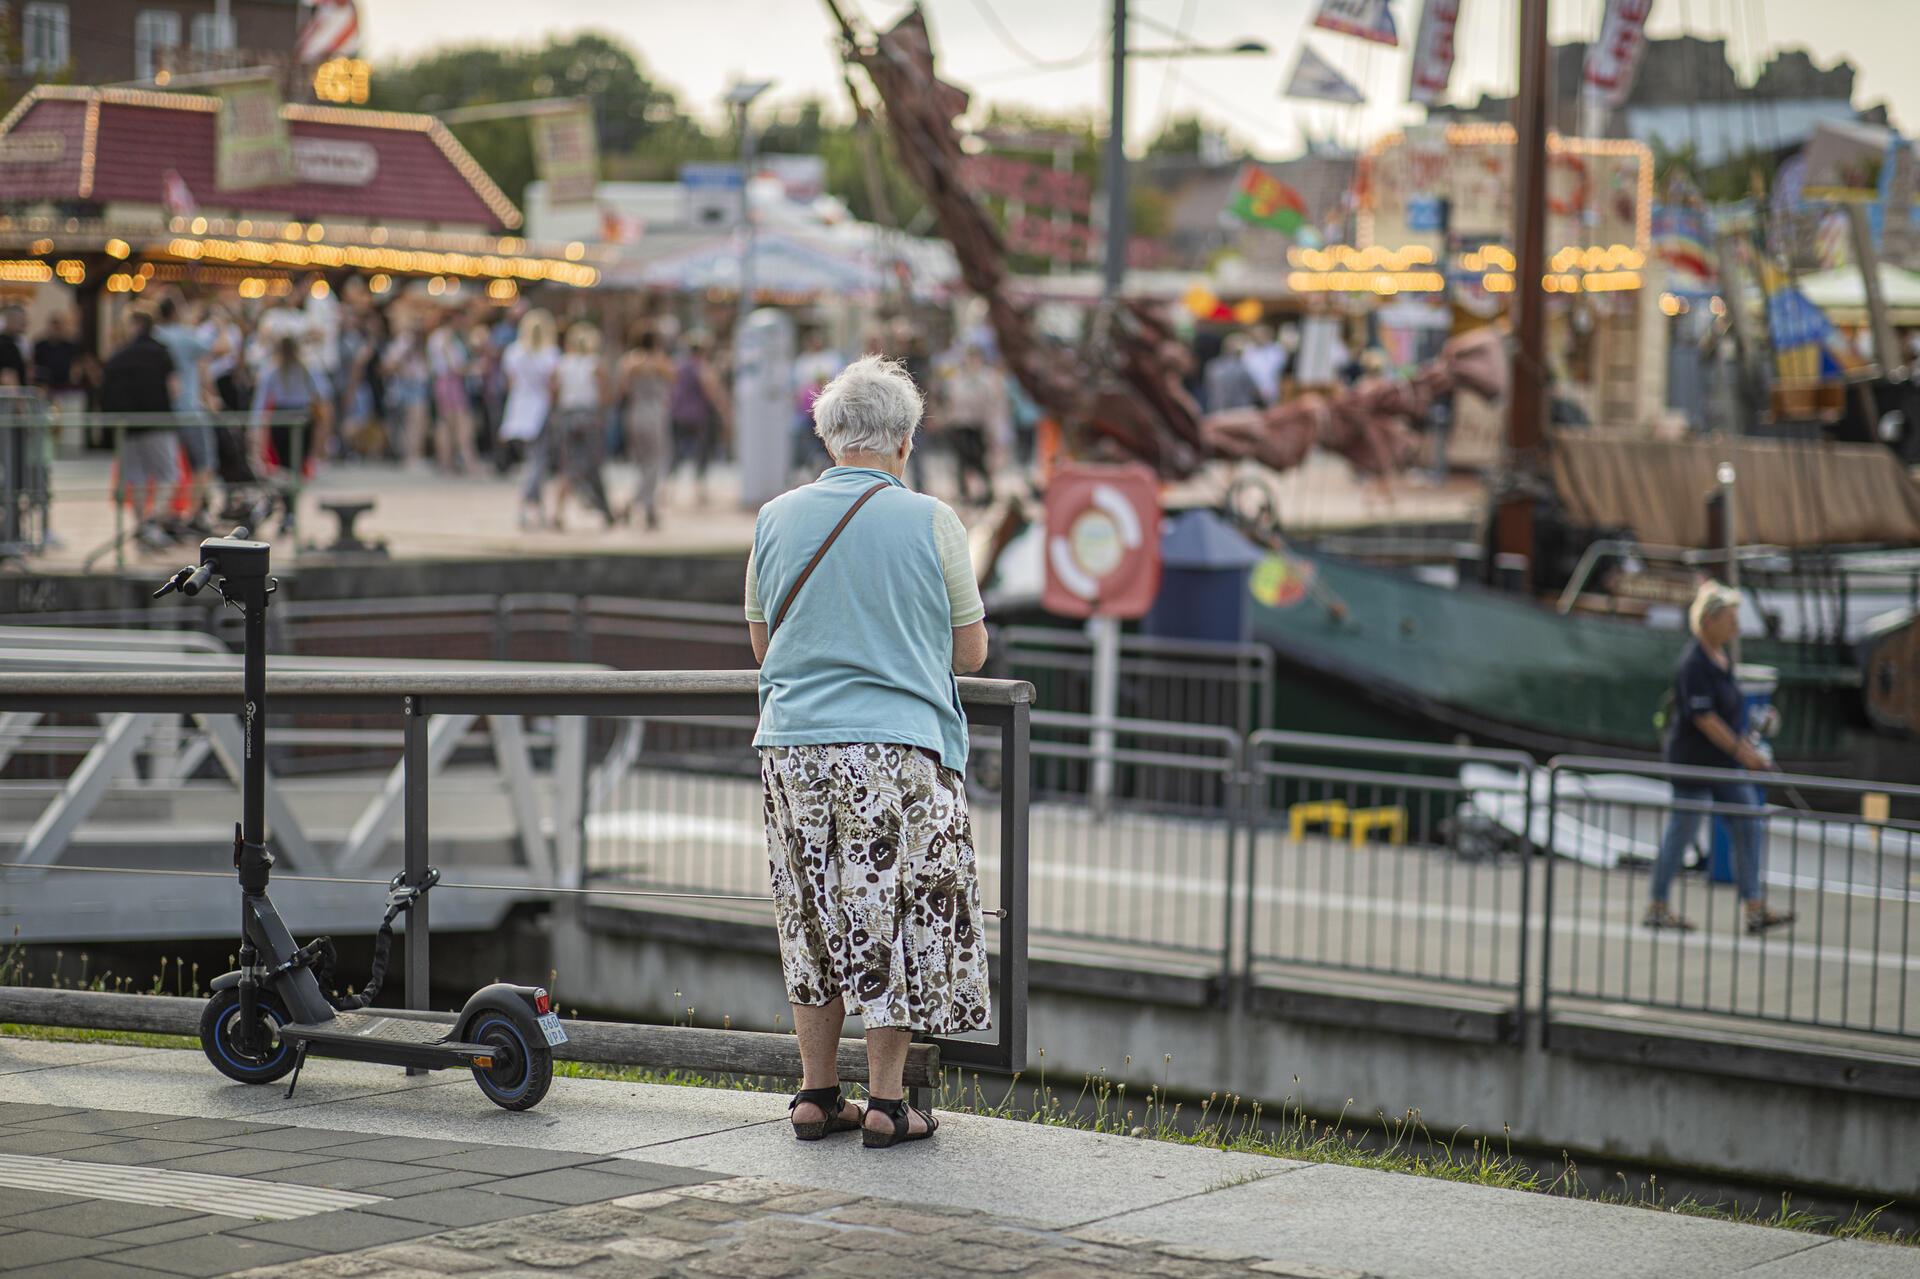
(875, 887)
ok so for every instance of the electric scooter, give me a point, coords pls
(263, 1020)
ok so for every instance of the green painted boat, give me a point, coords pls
(1503, 670)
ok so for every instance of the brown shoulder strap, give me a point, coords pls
(819, 555)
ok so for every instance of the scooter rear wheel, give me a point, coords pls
(522, 1066)
(220, 1036)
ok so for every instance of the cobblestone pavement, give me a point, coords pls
(113, 1194)
(753, 1228)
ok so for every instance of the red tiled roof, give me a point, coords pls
(140, 135)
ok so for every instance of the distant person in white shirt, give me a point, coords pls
(1266, 363)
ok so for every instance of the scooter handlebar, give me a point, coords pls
(176, 582)
(195, 584)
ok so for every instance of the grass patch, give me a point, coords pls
(69, 1035)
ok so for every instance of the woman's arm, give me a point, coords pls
(1715, 730)
(757, 636)
(969, 648)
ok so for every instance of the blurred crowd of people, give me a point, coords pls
(218, 392)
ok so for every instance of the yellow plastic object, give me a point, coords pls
(1331, 813)
(1363, 822)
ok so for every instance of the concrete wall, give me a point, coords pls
(1801, 1138)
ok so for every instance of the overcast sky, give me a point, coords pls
(700, 46)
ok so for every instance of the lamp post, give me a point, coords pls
(1114, 272)
(740, 97)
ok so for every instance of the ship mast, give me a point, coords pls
(1527, 402)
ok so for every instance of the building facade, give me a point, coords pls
(113, 41)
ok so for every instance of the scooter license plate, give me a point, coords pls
(550, 1027)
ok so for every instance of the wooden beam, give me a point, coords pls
(609, 1043)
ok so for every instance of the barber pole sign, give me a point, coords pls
(1615, 56)
(332, 30)
(1433, 52)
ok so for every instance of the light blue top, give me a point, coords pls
(866, 652)
(187, 348)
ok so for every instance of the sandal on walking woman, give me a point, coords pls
(830, 1104)
(902, 1116)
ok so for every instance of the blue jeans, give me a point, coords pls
(1749, 833)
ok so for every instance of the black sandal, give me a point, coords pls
(830, 1100)
(898, 1111)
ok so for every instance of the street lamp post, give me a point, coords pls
(740, 97)
(1114, 265)
(1115, 272)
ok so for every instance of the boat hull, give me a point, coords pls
(1502, 670)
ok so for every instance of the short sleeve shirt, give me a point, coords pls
(1701, 686)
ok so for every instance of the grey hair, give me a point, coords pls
(871, 407)
(1712, 598)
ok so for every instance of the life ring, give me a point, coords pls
(1570, 206)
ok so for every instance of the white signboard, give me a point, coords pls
(334, 162)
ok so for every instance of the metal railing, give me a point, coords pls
(1389, 859)
(1275, 861)
(1155, 871)
(28, 424)
(1851, 879)
(551, 829)
(1169, 680)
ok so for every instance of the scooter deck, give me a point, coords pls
(373, 1037)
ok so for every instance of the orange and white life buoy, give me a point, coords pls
(1570, 205)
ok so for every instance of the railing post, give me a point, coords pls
(1546, 903)
(1526, 904)
(121, 493)
(1256, 800)
(1014, 769)
(416, 781)
(1238, 820)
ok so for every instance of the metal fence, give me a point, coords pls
(1271, 861)
(1834, 854)
(1168, 680)
(1362, 862)
(592, 823)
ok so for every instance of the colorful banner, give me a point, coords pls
(1370, 20)
(1263, 200)
(252, 147)
(1315, 77)
(1615, 56)
(332, 31)
(566, 153)
(1680, 240)
(1433, 52)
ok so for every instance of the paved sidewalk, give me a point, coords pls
(127, 1163)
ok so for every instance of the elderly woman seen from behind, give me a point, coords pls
(1707, 708)
(863, 748)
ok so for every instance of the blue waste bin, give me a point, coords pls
(1757, 686)
(1204, 564)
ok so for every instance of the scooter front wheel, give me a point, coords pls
(522, 1066)
(220, 1038)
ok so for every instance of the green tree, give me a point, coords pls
(1181, 136)
(631, 111)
